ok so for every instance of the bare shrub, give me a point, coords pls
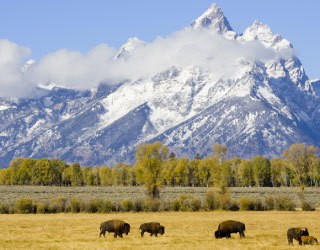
(284, 203)
(24, 206)
(234, 206)
(106, 206)
(212, 200)
(57, 205)
(247, 203)
(94, 205)
(126, 205)
(176, 205)
(115, 206)
(269, 203)
(152, 205)
(74, 205)
(195, 204)
(224, 202)
(83, 206)
(42, 207)
(5, 208)
(186, 203)
(306, 206)
(165, 206)
(217, 200)
(138, 205)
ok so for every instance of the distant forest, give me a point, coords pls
(155, 166)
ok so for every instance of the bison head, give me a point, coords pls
(161, 230)
(303, 232)
(219, 234)
(126, 228)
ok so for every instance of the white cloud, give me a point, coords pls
(12, 82)
(74, 69)
(79, 70)
(208, 50)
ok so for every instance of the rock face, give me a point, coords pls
(261, 108)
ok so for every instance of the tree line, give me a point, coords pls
(155, 166)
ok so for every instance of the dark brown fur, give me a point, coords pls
(309, 240)
(119, 227)
(296, 233)
(154, 228)
(228, 227)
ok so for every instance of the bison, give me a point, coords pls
(296, 233)
(119, 227)
(308, 240)
(154, 228)
(228, 227)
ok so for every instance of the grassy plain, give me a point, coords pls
(184, 230)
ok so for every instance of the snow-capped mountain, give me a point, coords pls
(132, 44)
(214, 19)
(261, 107)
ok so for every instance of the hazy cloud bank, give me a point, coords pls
(73, 69)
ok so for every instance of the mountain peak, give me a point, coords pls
(262, 32)
(214, 19)
(259, 27)
(214, 8)
(131, 44)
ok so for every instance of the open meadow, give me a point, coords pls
(184, 230)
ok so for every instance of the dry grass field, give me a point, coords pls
(184, 230)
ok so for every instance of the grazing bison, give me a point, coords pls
(154, 228)
(119, 227)
(296, 233)
(228, 227)
(309, 240)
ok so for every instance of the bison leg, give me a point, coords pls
(242, 234)
(156, 234)
(142, 233)
(290, 241)
(102, 232)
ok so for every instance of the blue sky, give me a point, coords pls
(80, 25)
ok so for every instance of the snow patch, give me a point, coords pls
(275, 70)
(4, 107)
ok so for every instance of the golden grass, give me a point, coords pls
(184, 230)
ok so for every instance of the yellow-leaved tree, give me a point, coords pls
(149, 163)
(301, 159)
